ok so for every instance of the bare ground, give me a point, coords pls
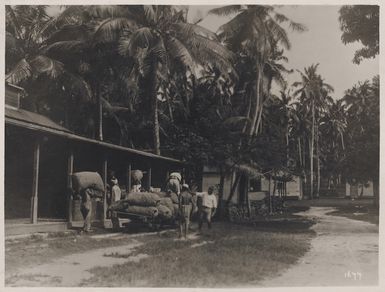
(344, 253)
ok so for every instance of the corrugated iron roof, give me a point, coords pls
(34, 121)
(34, 118)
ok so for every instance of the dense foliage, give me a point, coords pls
(361, 23)
(142, 76)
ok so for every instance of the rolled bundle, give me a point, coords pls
(175, 209)
(164, 212)
(174, 198)
(119, 205)
(161, 194)
(141, 210)
(143, 199)
(168, 203)
(87, 179)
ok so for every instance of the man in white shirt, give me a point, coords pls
(116, 192)
(208, 207)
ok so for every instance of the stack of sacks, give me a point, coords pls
(143, 199)
(143, 210)
(146, 204)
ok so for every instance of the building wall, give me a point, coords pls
(355, 191)
(212, 178)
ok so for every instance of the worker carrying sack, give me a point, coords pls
(136, 175)
(87, 179)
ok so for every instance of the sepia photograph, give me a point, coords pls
(191, 146)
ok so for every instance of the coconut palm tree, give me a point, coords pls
(156, 38)
(255, 30)
(313, 94)
(27, 61)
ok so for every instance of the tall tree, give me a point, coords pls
(362, 146)
(257, 31)
(159, 38)
(313, 93)
(360, 23)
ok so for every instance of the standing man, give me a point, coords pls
(208, 208)
(116, 192)
(186, 205)
(86, 208)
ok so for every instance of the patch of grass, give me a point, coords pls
(358, 212)
(240, 255)
(31, 251)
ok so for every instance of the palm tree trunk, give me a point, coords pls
(312, 151)
(318, 167)
(257, 102)
(154, 99)
(299, 152)
(100, 111)
(156, 126)
(233, 188)
(376, 192)
(221, 188)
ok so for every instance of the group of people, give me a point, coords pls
(202, 203)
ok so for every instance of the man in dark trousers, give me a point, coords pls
(208, 202)
(186, 205)
(86, 208)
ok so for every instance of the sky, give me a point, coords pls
(321, 43)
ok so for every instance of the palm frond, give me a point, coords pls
(113, 108)
(226, 10)
(280, 17)
(20, 72)
(188, 29)
(278, 33)
(149, 13)
(44, 64)
(110, 29)
(110, 11)
(65, 47)
(296, 26)
(68, 16)
(69, 32)
(178, 51)
(140, 38)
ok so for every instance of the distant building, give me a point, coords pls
(257, 187)
(359, 190)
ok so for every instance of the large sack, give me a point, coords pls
(177, 175)
(168, 203)
(141, 210)
(161, 194)
(175, 209)
(143, 199)
(87, 179)
(173, 197)
(164, 212)
(119, 205)
(136, 175)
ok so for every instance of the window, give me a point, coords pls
(255, 185)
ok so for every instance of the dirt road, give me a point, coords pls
(344, 253)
